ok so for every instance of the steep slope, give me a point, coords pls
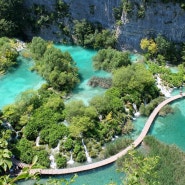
(143, 20)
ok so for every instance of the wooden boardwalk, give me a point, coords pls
(112, 159)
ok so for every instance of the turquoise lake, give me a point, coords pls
(17, 81)
(169, 129)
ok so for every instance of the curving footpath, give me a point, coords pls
(112, 158)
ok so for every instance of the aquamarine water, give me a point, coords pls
(17, 81)
(170, 129)
(100, 176)
(83, 59)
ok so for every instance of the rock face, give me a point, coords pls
(166, 19)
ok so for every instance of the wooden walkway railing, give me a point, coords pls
(111, 159)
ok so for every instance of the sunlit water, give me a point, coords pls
(100, 176)
(17, 81)
(169, 129)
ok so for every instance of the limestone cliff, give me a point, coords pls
(167, 19)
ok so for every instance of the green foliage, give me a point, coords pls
(18, 114)
(77, 108)
(8, 54)
(139, 169)
(38, 47)
(5, 154)
(68, 145)
(117, 12)
(150, 46)
(24, 151)
(81, 125)
(12, 17)
(169, 79)
(127, 6)
(109, 102)
(25, 175)
(116, 146)
(183, 53)
(163, 45)
(40, 16)
(147, 109)
(40, 120)
(161, 49)
(110, 59)
(171, 165)
(132, 84)
(61, 161)
(141, 11)
(113, 119)
(74, 108)
(81, 157)
(56, 67)
(92, 35)
(43, 158)
(52, 133)
(62, 8)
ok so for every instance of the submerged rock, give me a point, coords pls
(100, 82)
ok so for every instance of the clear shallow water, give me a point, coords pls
(100, 176)
(17, 81)
(83, 59)
(171, 129)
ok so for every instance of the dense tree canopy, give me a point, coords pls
(169, 78)
(8, 54)
(12, 17)
(93, 35)
(161, 49)
(136, 83)
(139, 169)
(110, 59)
(56, 67)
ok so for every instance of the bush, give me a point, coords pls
(110, 59)
(81, 157)
(61, 161)
(116, 146)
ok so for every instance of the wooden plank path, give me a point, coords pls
(111, 159)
